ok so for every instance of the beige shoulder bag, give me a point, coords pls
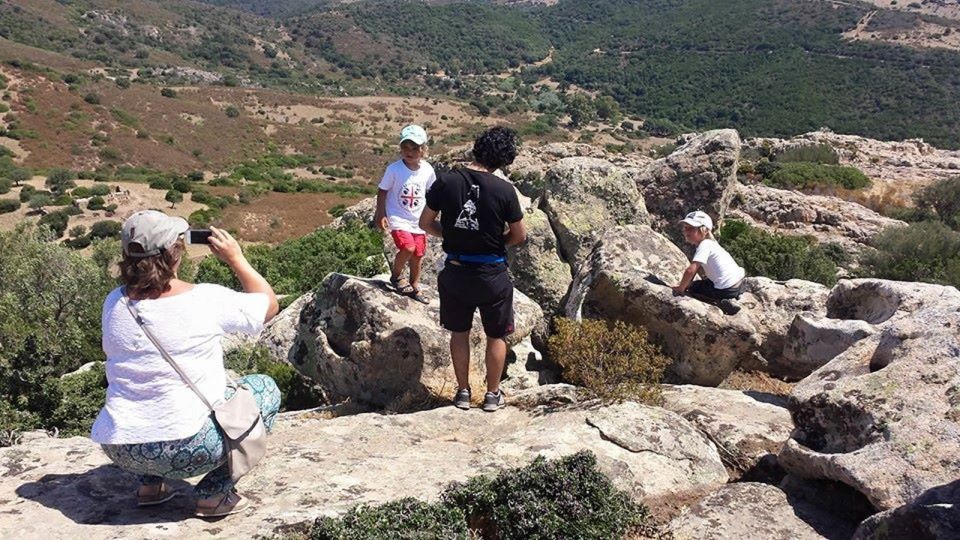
(239, 417)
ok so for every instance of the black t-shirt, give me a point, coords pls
(474, 209)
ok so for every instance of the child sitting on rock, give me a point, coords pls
(723, 276)
(400, 201)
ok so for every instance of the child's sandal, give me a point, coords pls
(418, 295)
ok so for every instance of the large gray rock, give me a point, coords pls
(748, 428)
(934, 515)
(751, 510)
(67, 488)
(584, 197)
(627, 278)
(701, 174)
(536, 266)
(828, 219)
(877, 301)
(883, 417)
(812, 341)
(771, 307)
(359, 340)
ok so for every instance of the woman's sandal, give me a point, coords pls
(161, 496)
(231, 503)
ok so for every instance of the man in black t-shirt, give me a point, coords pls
(480, 216)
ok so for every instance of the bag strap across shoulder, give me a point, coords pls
(163, 352)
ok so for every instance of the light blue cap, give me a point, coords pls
(415, 134)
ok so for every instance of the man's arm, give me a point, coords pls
(516, 234)
(429, 223)
(688, 275)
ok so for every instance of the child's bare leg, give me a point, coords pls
(403, 257)
(416, 265)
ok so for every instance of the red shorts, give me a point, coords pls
(409, 240)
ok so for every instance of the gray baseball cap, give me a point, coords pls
(153, 231)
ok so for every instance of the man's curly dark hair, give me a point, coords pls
(496, 147)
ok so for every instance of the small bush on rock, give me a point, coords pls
(614, 360)
(777, 256)
(406, 518)
(927, 251)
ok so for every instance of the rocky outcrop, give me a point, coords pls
(701, 174)
(317, 466)
(881, 416)
(627, 277)
(935, 515)
(752, 510)
(536, 265)
(748, 428)
(828, 219)
(813, 340)
(583, 198)
(358, 340)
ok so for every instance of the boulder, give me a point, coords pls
(828, 219)
(877, 301)
(317, 466)
(812, 341)
(536, 265)
(358, 340)
(583, 198)
(701, 174)
(771, 307)
(883, 417)
(748, 428)
(627, 278)
(752, 510)
(934, 515)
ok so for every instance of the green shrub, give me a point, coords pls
(81, 192)
(406, 518)
(814, 175)
(9, 205)
(79, 242)
(182, 185)
(612, 359)
(100, 190)
(565, 498)
(777, 256)
(232, 112)
(943, 197)
(202, 219)
(337, 210)
(173, 197)
(92, 98)
(26, 192)
(107, 228)
(926, 251)
(822, 153)
(19, 176)
(546, 500)
(297, 392)
(299, 265)
(168, 92)
(50, 302)
(162, 184)
(60, 180)
(5, 185)
(56, 222)
(96, 203)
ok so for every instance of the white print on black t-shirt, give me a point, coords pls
(466, 220)
(411, 196)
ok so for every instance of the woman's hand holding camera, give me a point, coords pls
(225, 247)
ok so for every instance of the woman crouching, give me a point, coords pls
(153, 423)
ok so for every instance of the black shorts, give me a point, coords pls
(466, 288)
(704, 289)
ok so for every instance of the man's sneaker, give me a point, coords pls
(493, 401)
(730, 307)
(462, 399)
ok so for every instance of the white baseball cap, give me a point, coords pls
(153, 231)
(415, 134)
(698, 219)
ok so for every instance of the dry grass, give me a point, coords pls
(757, 382)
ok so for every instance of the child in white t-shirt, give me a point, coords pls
(723, 281)
(400, 200)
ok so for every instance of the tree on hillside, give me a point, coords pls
(173, 197)
(581, 110)
(944, 198)
(60, 180)
(18, 176)
(38, 201)
(607, 109)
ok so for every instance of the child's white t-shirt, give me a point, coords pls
(147, 401)
(406, 194)
(718, 264)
